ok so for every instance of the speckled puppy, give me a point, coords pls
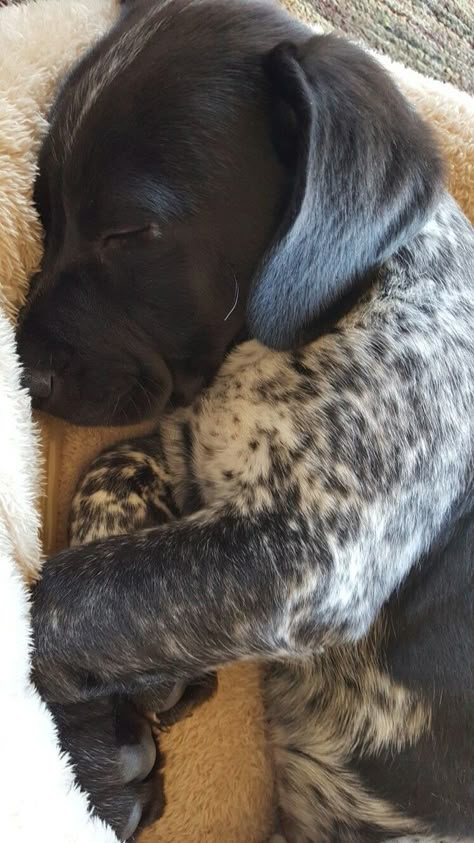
(319, 478)
(312, 508)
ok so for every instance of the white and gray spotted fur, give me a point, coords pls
(345, 459)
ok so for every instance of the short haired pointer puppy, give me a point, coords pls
(215, 172)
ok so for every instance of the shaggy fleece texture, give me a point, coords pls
(38, 800)
(219, 779)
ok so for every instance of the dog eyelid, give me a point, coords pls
(145, 232)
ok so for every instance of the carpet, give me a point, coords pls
(434, 37)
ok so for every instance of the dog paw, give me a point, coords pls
(115, 760)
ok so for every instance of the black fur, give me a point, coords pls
(352, 127)
(121, 769)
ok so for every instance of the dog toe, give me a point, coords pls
(137, 760)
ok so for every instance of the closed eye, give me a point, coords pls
(124, 235)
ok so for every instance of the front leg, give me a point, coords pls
(116, 600)
(127, 488)
(109, 740)
(131, 612)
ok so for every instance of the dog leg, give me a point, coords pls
(127, 488)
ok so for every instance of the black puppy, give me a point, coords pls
(213, 168)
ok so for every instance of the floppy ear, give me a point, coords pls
(365, 174)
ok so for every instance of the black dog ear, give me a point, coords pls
(366, 173)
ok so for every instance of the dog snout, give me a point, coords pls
(38, 382)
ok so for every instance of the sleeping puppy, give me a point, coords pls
(212, 170)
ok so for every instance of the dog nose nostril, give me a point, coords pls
(38, 382)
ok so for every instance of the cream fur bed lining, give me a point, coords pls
(218, 771)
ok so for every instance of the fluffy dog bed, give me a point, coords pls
(219, 779)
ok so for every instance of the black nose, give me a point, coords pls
(38, 382)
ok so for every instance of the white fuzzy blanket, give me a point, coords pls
(38, 798)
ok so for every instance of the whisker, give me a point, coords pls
(236, 297)
(146, 394)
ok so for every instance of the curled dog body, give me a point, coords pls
(307, 502)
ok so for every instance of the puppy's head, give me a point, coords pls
(207, 161)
